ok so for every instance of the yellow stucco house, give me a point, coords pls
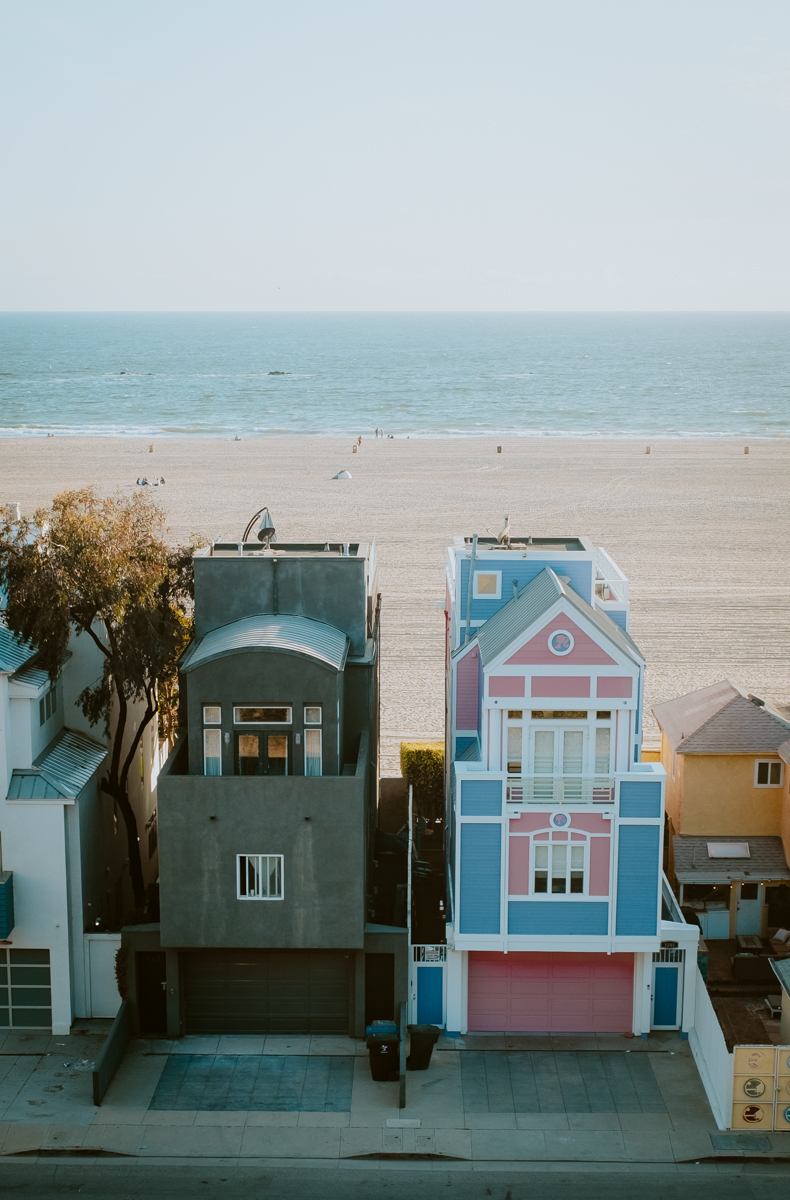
(727, 758)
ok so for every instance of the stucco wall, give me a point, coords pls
(324, 903)
(674, 788)
(719, 797)
(265, 677)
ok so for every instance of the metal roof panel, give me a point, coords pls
(287, 634)
(69, 761)
(13, 652)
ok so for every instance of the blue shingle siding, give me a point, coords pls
(524, 570)
(481, 798)
(559, 917)
(637, 880)
(6, 903)
(640, 799)
(619, 617)
(481, 869)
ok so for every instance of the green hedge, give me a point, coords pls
(422, 763)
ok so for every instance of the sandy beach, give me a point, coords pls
(699, 528)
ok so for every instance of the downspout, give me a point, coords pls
(469, 589)
(275, 590)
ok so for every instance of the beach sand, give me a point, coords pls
(698, 527)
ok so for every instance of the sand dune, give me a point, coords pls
(700, 529)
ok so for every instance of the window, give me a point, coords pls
(559, 868)
(487, 585)
(259, 876)
(212, 714)
(514, 714)
(212, 752)
(312, 714)
(312, 751)
(602, 748)
(514, 736)
(262, 716)
(47, 705)
(767, 773)
(547, 714)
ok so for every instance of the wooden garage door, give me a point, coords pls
(557, 993)
(265, 991)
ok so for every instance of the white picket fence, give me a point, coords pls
(713, 1059)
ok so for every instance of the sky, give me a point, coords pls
(392, 155)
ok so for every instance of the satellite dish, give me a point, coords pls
(342, 475)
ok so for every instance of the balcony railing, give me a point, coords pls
(560, 789)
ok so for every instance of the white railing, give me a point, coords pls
(609, 576)
(560, 789)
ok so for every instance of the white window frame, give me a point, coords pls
(549, 894)
(237, 708)
(497, 595)
(769, 762)
(314, 729)
(210, 720)
(243, 858)
(320, 721)
(206, 732)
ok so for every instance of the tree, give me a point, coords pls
(100, 566)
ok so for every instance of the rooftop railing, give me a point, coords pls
(560, 789)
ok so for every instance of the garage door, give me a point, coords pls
(265, 991)
(556, 993)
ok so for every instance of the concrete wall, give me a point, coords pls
(319, 825)
(322, 588)
(718, 796)
(265, 677)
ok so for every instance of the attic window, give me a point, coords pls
(728, 850)
(487, 585)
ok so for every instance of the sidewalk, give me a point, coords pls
(312, 1100)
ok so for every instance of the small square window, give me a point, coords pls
(768, 773)
(212, 714)
(312, 714)
(259, 876)
(487, 585)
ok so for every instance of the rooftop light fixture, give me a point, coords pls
(265, 532)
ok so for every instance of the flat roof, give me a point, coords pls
(284, 549)
(525, 542)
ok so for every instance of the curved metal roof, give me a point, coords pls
(286, 634)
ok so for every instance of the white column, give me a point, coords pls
(456, 999)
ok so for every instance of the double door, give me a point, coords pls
(263, 753)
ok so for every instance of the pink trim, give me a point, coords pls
(599, 866)
(529, 822)
(615, 687)
(518, 867)
(561, 685)
(585, 652)
(506, 685)
(591, 823)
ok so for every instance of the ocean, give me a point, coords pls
(410, 374)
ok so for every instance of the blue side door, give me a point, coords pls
(666, 985)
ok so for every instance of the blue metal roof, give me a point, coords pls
(286, 634)
(13, 652)
(30, 785)
(32, 676)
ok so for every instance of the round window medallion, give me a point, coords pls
(559, 820)
(561, 642)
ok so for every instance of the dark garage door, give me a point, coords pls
(266, 991)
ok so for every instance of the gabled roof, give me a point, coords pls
(286, 634)
(693, 864)
(13, 652)
(530, 604)
(69, 761)
(721, 720)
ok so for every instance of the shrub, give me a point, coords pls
(422, 763)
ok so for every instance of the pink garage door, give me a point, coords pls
(557, 993)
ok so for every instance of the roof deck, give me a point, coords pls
(285, 549)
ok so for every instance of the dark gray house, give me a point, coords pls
(267, 804)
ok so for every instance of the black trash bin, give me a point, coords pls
(423, 1040)
(382, 1041)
